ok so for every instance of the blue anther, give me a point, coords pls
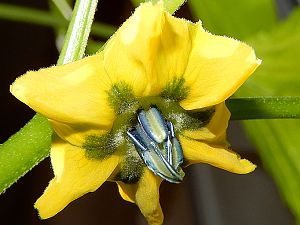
(157, 145)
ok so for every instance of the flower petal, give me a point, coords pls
(218, 156)
(149, 50)
(217, 67)
(75, 134)
(146, 195)
(173, 51)
(73, 94)
(127, 191)
(215, 130)
(75, 175)
(129, 54)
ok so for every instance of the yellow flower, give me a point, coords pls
(154, 61)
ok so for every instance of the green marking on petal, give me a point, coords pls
(190, 120)
(132, 166)
(121, 97)
(100, 147)
(175, 90)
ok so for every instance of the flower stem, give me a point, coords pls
(78, 31)
(264, 108)
(25, 149)
(31, 144)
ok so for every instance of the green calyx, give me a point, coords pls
(126, 106)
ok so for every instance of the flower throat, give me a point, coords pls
(145, 134)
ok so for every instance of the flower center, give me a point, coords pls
(144, 134)
(157, 145)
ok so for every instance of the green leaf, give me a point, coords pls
(277, 141)
(170, 5)
(279, 75)
(31, 145)
(238, 19)
(280, 51)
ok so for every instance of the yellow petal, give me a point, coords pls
(73, 94)
(146, 195)
(217, 67)
(129, 54)
(218, 156)
(75, 134)
(75, 175)
(127, 191)
(173, 50)
(149, 50)
(215, 130)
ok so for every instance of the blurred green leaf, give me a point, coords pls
(238, 19)
(170, 5)
(280, 51)
(279, 75)
(277, 141)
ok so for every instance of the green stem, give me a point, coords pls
(78, 32)
(31, 144)
(98, 29)
(44, 18)
(24, 150)
(264, 108)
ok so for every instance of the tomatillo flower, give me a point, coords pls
(149, 104)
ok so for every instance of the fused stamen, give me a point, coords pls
(157, 145)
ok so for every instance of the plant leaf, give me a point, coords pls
(238, 19)
(279, 75)
(170, 5)
(277, 141)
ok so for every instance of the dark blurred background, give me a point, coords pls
(207, 196)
